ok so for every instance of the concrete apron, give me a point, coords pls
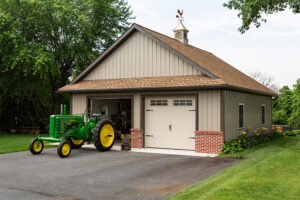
(173, 152)
(117, 147)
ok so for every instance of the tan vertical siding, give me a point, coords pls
(252, 111)
(137, 111)
(209, 110)
(78, 103)
(140, 56)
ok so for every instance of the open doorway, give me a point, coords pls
(119, 111)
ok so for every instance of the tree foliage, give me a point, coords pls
(294, 120)
(286, 107)
(254, 11)
(282, 106)
(44, 43)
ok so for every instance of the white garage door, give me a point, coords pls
(170, 122)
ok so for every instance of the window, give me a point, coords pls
(159, 102)
(183, 102)
(241, 115)
(263, 114)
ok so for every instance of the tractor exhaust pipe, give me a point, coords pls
(61, 109)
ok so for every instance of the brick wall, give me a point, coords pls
(137, 138)
(209, 141)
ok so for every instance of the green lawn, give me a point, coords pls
(14, 143)
(269, 171)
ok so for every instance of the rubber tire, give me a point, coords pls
(59, 149)
(75, 146)
(96, 135)
(31, 146)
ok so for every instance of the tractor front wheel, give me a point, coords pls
(104, 135)
(36, 146)
(64, 149)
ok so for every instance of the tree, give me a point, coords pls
(294, 120)
(265, 80)
(282, 106)
(286, 108)
(251, 12)
(44, 43)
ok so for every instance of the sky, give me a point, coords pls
(273, 49)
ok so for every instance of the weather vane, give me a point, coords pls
(179, 16)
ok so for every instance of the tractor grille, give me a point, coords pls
(55, 126)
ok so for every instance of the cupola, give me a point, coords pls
(180, 31)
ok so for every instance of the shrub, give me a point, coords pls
(246, 141)
(232, 146)
(290, 133)
(297, 131)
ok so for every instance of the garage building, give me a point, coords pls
(169, 94)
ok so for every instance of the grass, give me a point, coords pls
(14, 143)
(269, 171)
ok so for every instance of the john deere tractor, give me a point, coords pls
(73, 130)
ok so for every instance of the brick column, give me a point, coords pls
(209, 141)
(137, 140)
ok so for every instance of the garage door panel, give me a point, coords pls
(170, 123)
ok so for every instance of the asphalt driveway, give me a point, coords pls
(89, 174)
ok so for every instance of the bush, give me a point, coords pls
(290, 133)
(297, 131)
(232, 146)
(246, 141)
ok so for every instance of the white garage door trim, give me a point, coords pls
(170, 121)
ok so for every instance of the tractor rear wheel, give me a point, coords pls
(104, 135)
(76, 144)
(36, 147)
(64, 149)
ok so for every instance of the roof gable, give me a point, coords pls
(123, 38)
(141, 56)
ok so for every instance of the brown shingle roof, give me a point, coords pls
(211, 64)
(175, 82)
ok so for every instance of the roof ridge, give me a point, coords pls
(172, 38)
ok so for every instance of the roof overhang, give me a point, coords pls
(164, 89)
(149, 89)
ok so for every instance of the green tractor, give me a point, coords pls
(72, 131)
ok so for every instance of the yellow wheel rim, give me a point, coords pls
(65, 150)
(76, 142)
(37, 148)
(107, 135)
